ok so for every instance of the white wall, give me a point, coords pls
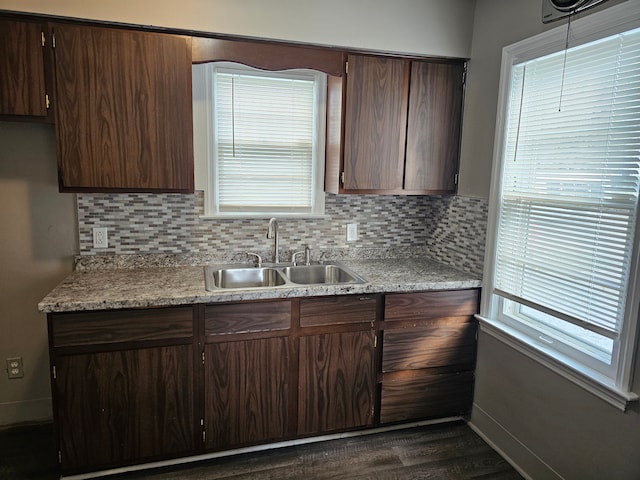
(431, 27)
(548, 426)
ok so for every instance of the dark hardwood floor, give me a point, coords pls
(449, 451)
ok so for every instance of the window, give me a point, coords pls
(264, 140)
(564, 258)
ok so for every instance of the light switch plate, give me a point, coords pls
(352, 232)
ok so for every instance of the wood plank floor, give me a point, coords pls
(449, 451)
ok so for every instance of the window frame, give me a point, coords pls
(613, 386)
(205, 144)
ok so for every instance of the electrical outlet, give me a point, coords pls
(352, 232)
(15, 368)
(100, 237)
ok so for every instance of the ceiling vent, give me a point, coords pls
(556, 9)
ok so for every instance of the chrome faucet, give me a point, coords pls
(272, 232)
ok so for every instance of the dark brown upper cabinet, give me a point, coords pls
(22, 72)
(393, 127)
(123, 110)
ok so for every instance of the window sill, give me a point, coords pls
(590, 381)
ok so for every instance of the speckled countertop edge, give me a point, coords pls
(106, 289)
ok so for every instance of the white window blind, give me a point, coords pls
(266, 126)
(570, 183)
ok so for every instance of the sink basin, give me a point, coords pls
(243, 277)
(315, 274)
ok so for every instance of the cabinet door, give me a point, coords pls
(433, 130)
(246, 392)
(22, 84)
(123, 110)
(375, 123)
(415, 397)
(123, 407)
(336, 382)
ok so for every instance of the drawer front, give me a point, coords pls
(425, 305)
(442, 343)
(337, 310)
(247, 317)
(429, 396)
(74, 329)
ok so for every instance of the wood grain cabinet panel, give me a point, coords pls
(123, 407)
(434, 126)
(336, 382)
(246, 392)
(95, 328)
(22, 75)
(442, 344)
(375, 123)
(226, 319)
(123, 110)
(337, 310)
(428, 305)
(419, 397)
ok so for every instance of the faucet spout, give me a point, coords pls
(272, 232)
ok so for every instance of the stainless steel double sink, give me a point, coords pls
(330, 273)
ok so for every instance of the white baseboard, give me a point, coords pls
(526, 462)
(28, 411)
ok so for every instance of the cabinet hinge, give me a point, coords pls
(47, 102)
(53, 372)
(53, 40)
(346, 68)
(342, 178)
(375, 341)
(204, 436)
(203, 357)
(59, 457)
(43, 39)
(455, 179)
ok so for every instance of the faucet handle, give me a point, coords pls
(293, 257)
(258, 257)
(307, 256)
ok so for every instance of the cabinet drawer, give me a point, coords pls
(247, 317)
(444, 343)
(72, 329)
(337, 310)
(427, 396)
(425, 305)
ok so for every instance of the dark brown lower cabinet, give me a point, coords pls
(140, 385)
(246, 390)
(123, 407)
(428, 355)
(336, 382)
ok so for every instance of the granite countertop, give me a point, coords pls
(184, 285)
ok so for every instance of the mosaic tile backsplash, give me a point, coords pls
(449, 229)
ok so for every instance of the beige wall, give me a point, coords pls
(547, 425)
(37, 244)
(431, 27)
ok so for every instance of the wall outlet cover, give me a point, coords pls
(100, 239)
